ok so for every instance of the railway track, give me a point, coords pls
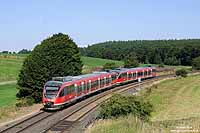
(63, 120)
(65, 124)
(26, 123)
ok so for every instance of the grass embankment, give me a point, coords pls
(91, 63)
(9, 68)
(7, 94)
(176, 103)
(176, 98)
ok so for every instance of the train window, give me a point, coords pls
(72, 88)
(114, 77)
(139, 74)
(102, 81)
(124, 75)
(110, 79)
(105, 80)
(93, 84)
(96, 82)
(99, 83)
(154, 70)
(82, 86)
(88, 85)
(149, 72)
(61, 93)
(79, 89)
(129, 75)
(85, 86)
(65, 91)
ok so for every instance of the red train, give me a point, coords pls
(63, 90)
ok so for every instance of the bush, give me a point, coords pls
(111, 65)
(181, 72)
(196, 63)
(119, 105)
(131, 61)
(161, 65)
(28, 101)
(56, 56)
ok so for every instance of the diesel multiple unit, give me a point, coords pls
(63, 90)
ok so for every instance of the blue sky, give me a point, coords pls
(25, 23)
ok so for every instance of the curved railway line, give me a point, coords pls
(64, 120)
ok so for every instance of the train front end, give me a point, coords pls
(50, 93)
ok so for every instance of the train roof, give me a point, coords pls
(94, 74)
(120, 70)
(79, 77)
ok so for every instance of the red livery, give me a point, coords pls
(63, 90)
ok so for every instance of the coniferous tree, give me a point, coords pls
(131, 61)
(196, 63)
(57, 55)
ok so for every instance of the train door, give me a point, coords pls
(82, 87)
(143, 73)
(110, 80)
(89, 86)
(104, 81)
(131, 75)
(76, 91)
(99, 83)
(136, 75)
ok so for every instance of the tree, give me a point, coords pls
(119, 105)
(24, 51)
(5, 52)
(131, 61)
(181, 72)
(110, 65)
(172, 61)
(175, 52)
(57, 55)
(196, 63)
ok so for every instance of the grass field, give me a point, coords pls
(176, 99)
(91, 63)
(7, 94)
(9, 68)
(176, 103)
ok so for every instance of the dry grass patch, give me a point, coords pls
(11, 113)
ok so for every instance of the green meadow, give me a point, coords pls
(176, 104)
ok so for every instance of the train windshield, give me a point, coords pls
(52, 88)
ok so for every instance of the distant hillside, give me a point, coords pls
(90, 63)
(169, 52)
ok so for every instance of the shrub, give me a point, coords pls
(119, 105)
(55, 56)
(131, 61)
(28, 101)
(196, 63)
(161, 65)
(181, 72)
(111, 65)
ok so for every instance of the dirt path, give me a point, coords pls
(8, 82)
